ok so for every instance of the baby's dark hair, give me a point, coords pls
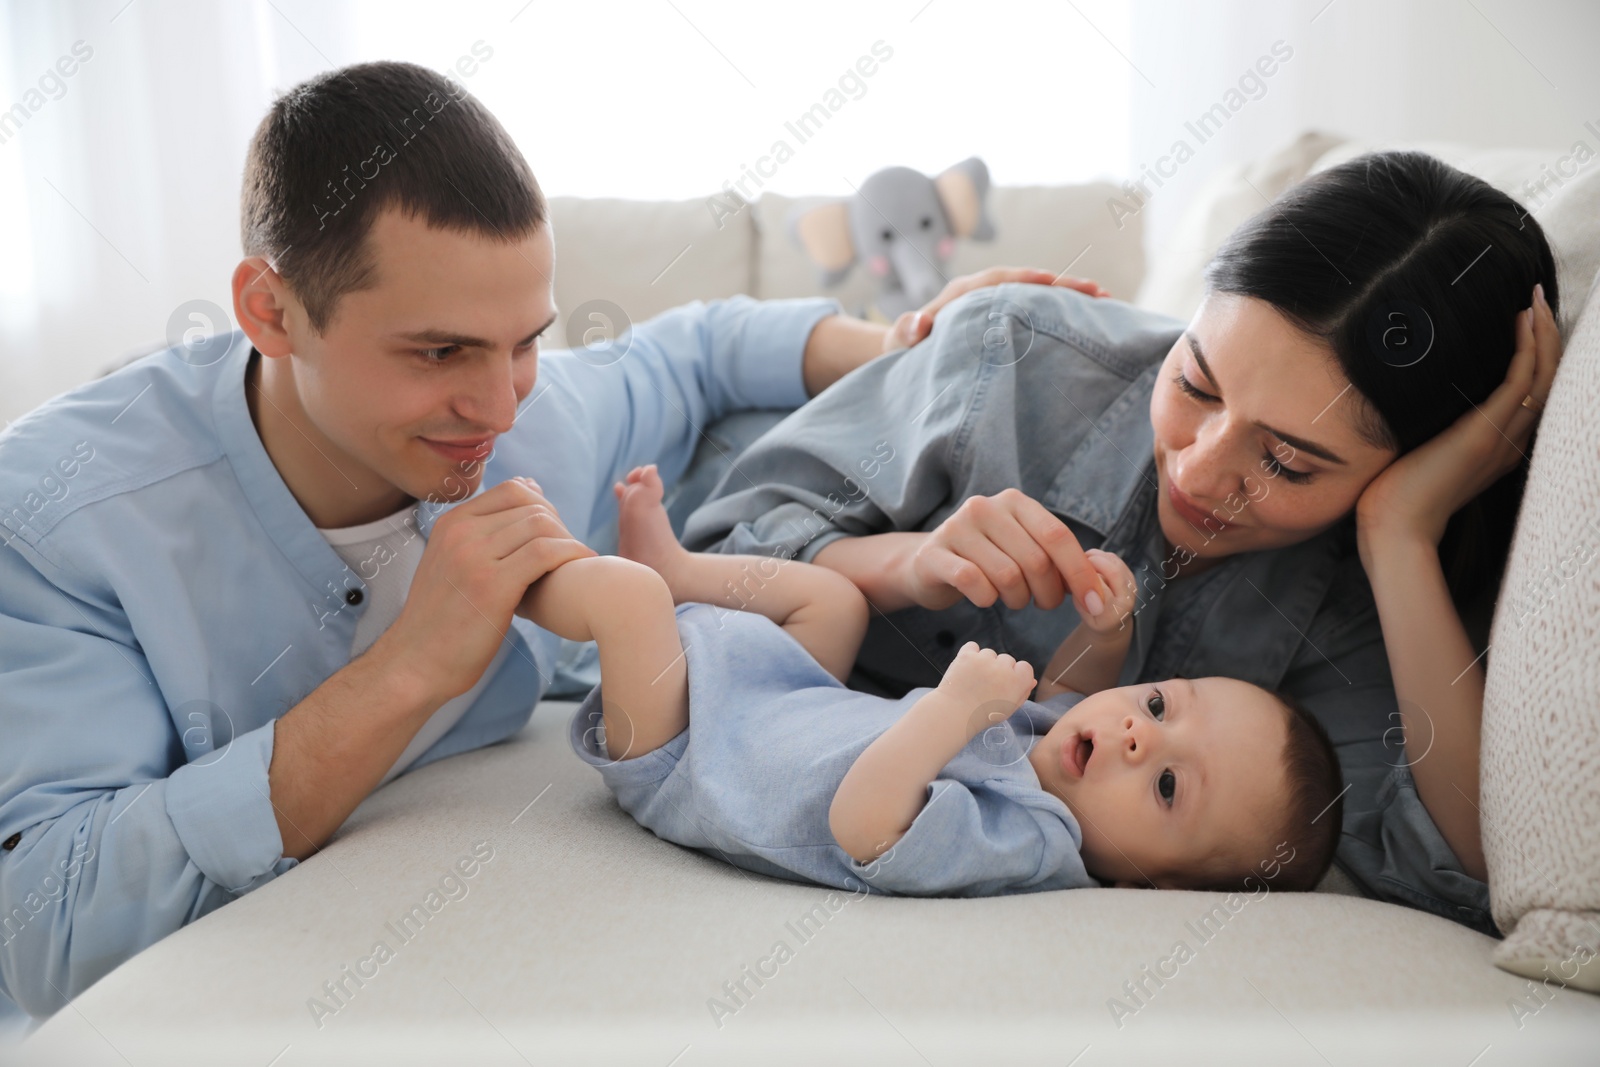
(1312, 813)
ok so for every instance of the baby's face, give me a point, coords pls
(1164, 776)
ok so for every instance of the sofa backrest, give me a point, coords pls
(642, 257)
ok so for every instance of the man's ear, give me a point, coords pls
(260, 303)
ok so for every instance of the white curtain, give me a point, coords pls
(120, 182)
(120, 188)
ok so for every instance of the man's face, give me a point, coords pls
(1167, 777)
(415, 376)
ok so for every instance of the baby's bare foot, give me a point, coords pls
(987, 682)
(644, 533)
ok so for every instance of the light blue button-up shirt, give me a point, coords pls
(164, 599)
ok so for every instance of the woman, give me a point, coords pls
(1314, 483)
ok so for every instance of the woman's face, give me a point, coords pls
(1255, 439)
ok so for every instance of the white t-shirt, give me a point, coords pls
(385, 554)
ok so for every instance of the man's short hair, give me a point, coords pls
(335, 150)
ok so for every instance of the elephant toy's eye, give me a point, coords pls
(927, 222)
(888, 235)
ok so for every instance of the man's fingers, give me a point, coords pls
(908, 329)
(513, 492)
(517, 527)
(1087, 286)
(541, 556)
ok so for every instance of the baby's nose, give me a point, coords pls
(1138, 738)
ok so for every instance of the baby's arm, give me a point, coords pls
(1090, 659)
(887, 785)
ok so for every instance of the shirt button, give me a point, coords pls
(945, 638)
(354, 597)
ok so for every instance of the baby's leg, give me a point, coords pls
(626, 609)
(820, 608)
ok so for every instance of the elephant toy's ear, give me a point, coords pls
(823, 233)
(964, 194)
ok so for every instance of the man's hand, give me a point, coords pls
(913, 326)
(480, 559)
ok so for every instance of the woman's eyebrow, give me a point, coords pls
(1305, 446)
(1199, 356)
(1298, 442)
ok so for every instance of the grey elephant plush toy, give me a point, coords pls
(902, 224)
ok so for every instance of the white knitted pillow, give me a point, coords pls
(1541, 708)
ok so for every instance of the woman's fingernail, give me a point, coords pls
(1538, 293)
(1092, 601)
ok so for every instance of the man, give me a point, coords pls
(243, 584)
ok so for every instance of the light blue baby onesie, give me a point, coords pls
(771, 736)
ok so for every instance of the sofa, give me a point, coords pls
(578, 937)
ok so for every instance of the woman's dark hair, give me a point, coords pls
(1413, 273)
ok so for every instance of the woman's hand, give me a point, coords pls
(1004, 547)
(913, 326)
(1415, 496)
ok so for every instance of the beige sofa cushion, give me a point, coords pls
(1173, 284)
(586, 939)
(1541, 719)
(642, 256)
(1050, 227)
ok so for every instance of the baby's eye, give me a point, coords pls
(1157, 705)
(1167, 785)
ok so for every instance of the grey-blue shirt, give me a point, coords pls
(1048, 391)
(770, 737)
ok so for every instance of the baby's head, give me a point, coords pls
(1203, 783)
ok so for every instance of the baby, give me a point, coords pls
(966, 789)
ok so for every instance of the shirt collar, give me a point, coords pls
(1101, 482)
(275, 507)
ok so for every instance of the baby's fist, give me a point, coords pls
(1111, 608)
(986, 683)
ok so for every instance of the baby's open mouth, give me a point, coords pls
(1075, 755)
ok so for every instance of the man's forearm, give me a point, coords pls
(838, 345)
(333, 748)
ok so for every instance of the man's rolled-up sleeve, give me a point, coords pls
(649, 399)
(116, 841)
